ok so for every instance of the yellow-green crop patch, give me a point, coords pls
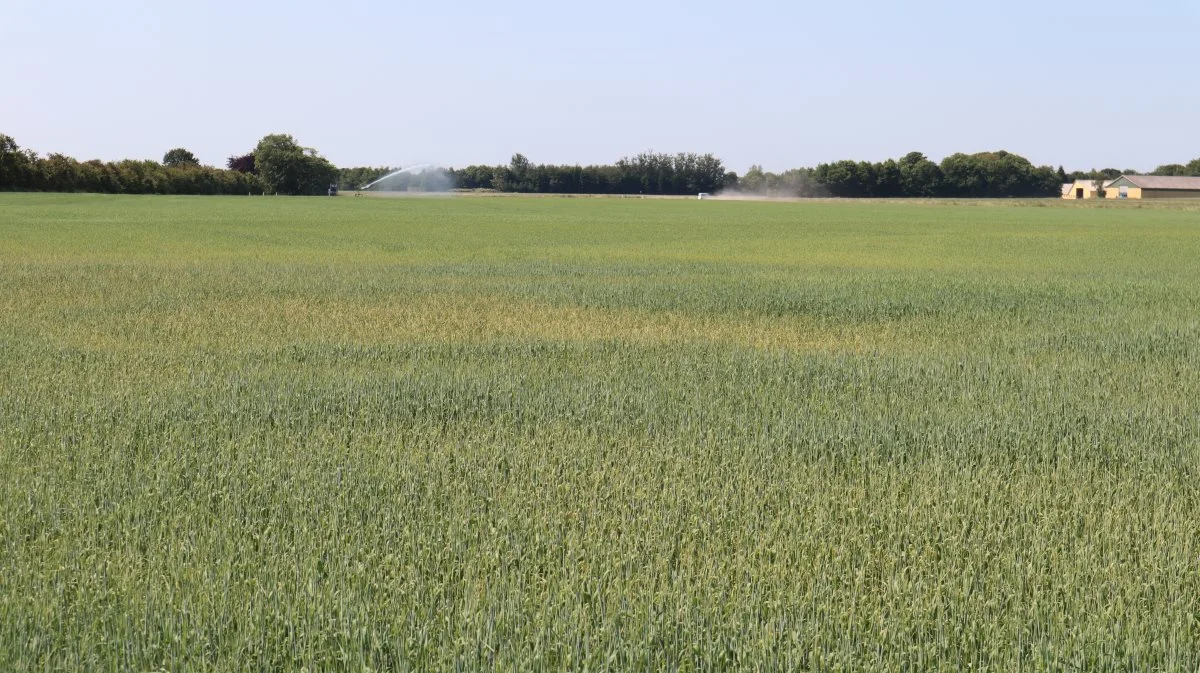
(250, 434)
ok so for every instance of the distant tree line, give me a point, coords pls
(355, 178)
(179, 173)
(986, 174)
(1094, 174)
(1190, 169)
(646, 173)
(795, 182)
(278, 164)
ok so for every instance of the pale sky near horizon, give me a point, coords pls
(782, 84)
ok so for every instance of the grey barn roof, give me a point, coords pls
(1163, 182)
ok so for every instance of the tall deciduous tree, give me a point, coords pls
(287, 168)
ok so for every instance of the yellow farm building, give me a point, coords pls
(1153, 187)
(1081, 189)
(1135, 187)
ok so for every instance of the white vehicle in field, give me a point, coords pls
(703, 195)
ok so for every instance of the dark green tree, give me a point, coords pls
(845, 178)
(888, 180)
(15, 165)
(287, 168)
(919, 177)
(180, 158)
(519, 174)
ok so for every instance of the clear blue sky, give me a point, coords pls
(783, 84)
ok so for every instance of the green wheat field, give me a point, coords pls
(517, 434)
